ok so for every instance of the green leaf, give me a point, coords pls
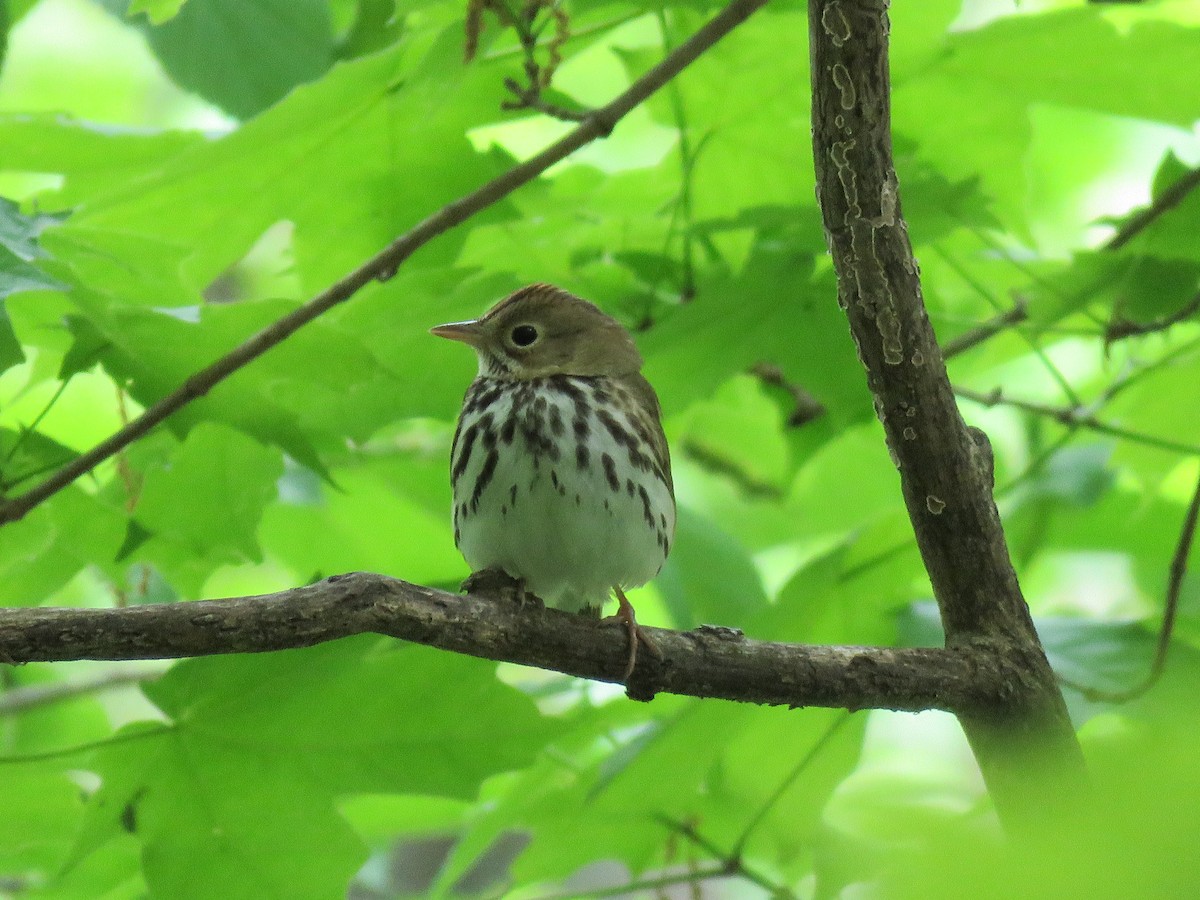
(42, 808)
(43, 551)
(87, 348)
(983, 97)
(1153, 409)
(708, 578)
(405, 498)
(1173, 234)
(10, 348)
(136, 535)
(1132, 285)
(738, 321)
(353, 132)
(93, 159)
(17, 275)
(739, 431)
(1142, 777)
(18, 248)
(158, 11)
(153, 352)
(394, 740)
(212, 494)
(375, 26)
(241, 784)
(727, 763)
(114, 872)
(242, 55)
(745, 105)
(19, 233)
(252, 824)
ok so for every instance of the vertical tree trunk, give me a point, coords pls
(945, 467)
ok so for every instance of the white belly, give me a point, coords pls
(572, 527)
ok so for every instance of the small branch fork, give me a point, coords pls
(381, 267)
(705, 662)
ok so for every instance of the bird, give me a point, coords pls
(559, 467)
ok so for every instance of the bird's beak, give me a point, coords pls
(467, 332)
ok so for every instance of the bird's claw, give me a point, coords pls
(637, 635)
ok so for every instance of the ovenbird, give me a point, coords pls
(559, 466)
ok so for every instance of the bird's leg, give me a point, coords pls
(495, 582)
(625, 616)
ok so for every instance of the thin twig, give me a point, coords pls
(783, 786)
(25, 432)
(983, 291)
(22, 699)
(807, 407)
(383, 265)
(645, 884)
(1167, 200)
(687, 169)
(718, 464)
(530, 97)
(538, 77)
(585, 32)
(732, 862)
(1076, 417)
(1121, 328)
(987, 330)
(120, 737)
(1177, 570)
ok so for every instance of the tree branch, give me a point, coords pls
(1120, 328)
(705, 662)
(968, 340)
(1075, 417)
(945, 470)
(598, 123)
(1166, 201)
(1175, 573)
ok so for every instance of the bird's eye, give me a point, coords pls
(524, 335)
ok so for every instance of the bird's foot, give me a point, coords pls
(637, 635)
(498, 584)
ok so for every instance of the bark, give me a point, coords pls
(945, 468)
(709, 661)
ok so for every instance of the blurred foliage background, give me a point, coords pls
(179, 174)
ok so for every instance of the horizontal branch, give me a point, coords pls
(705, 662)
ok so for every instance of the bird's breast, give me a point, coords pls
(559, 481)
